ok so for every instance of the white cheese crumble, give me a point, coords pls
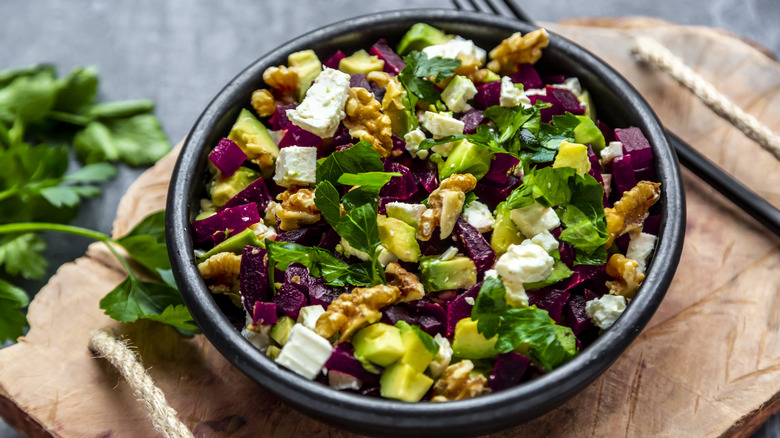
(339, 380)
(440, 125)
(534, 219)
(323, 107)
(607, 178)
(408, 213)
(613, 150)
(478, 215)
(296, 166)
(545, 239)
(512, 96)
(258, 336)
(639, 248)
(443, 356)
(305, 352)
(525, 264)
(458, 93)
(571, 84)
(454, 47)
(309, 315)
(413, 139)
(606, 310)
(515, 294)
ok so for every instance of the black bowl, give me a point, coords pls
(618, 103)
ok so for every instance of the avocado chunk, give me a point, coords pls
(420, 36)
(491, 77)
(399, 238)
(573, 155)
(281, 330)
(402, 382)
(253, 138)
(361, 62)
(378, 343)
(273, 352)
(457, 93)
(466, 157)
(505, 231)
(590, 108)
(469, 343)
(393, 106)
(568, 341)
(456, 273)
(417, 346)
(235, 244)
(588, 132)
(225, 187)
(410, 214)
(308, 67)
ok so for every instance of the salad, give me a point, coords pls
(430, 222)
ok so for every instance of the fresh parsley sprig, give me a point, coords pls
(418, 68)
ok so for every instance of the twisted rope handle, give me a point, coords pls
(117, 353)
(652, 52)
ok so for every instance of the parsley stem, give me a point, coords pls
(27, 227)
(7, 193)
(73, 119)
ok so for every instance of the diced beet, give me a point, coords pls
(623, 174)
(471, 120)
(377, 91)
(393, 63)
(224, 223)
(264, 314)
(597, 283)
(307, 236)
(297, 136)
(491, 193)
(289, 300)
(606, 131)
(567, 99)
(652, 225)
(434, 245)
(443, 298)
(500, 167)
(622, 242)
(551, 300)
(298, 276)
(392, 314)
(400, 187)
(554, 79)
(460, 308)
(279, 120)
(427, 174)
(256, 192)
(478, 249)
(589, 294)
(555, 110)
(487, 95)
(359, 80)
(342, 359)
(568, 255)
(636, 145)
(576, 317)
(342, 137)
(227, 156)
(253, 278)
(527, 75)
(431, 317)
(323, 294)
(508, 371)
(581, 274)
(333, 61)
(330, 240)
(595, 165)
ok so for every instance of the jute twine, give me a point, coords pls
(652, 52)
(165, 418)
(116, 352)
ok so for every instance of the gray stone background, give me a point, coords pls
(180, 52)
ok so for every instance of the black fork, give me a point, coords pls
(709, 172)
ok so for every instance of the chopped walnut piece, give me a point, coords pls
(626, 274)
(366, 121)
(410, 287)
(631, 210)
(470, 68)
(518, 49)
(224, 268)
(457, 384)
(380, 78)
(282, 78)
(347, 313)
(263, 102)
(445, 204)
(297, 208)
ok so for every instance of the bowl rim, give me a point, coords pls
(381, 416)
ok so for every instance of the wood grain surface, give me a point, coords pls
(708, 364)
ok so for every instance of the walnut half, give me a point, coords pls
(410, 287)
(457, 383)
(349, 312)
(297, 208)
(626, 274)
(518, 49)
(631, 210)
(366, 121)
(445, 204)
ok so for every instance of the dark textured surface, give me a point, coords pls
(180, 54)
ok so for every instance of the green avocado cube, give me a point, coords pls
(273, 352)
(587, 132)
(567, 340)
(416, 354)
(419, 37)
(361, 62)
(456, 273)
(235, 244)
(505, 231)
(379, 343)
(281, 330)
(573, 155)
(402, 382)
(253, 137)
(468, 343)
(399, 238)
(225, 187)
(308, 66)
(466, 157)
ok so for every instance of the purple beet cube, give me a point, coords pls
(279, 120)
(227, 156)
(487, 95)
(358, 80)
(551, 300)
(527, 75)
(576, 317)
(478, 249)
(289, 300)
(264, 314)
(471, 120)
(460, 307)
(333, 61)
(225, 223)
(253, 278)
(393, 63)
(256, 192)
(508, 371)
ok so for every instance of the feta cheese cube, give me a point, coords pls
(443, 356)
(454, 47)
(524, 264)
(536, 92)
(296, 166)
(606, 310)
(408, 213)
(441, 125)
(639, 248)
(305, 352)
(457, 94)
(323, 107)
(309, 315)
(515, 294)
(607, 178)
(258, 335)
(512, 96)
(613, 150)
(546, 240)
(478, 216)
(534, 219)
(413, 139)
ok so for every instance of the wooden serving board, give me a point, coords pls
(708, 364)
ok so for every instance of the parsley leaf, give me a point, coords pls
(137, 140)
(359, 158)
(321, 263)
(146, 243)
(489, 306)
(134, 299)
(21, 255)
(418, 66)
(12, 320)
